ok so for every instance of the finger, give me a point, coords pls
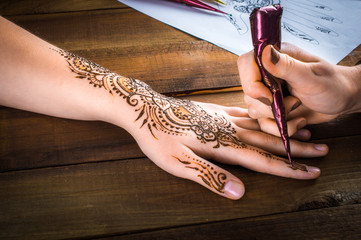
(236, 111)
(251, 79)
(280, 167)
(291, 103)
(261, 161)
(256, 109)
(298, 53)
(302, 134)
(192, 167)
(245, 122)
(284, 66)
(275, 145)
(270, 126)
(311, 116)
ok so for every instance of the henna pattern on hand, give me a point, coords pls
(212, 178)
(158, 112)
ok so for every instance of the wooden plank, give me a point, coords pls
(133, 44)
(345, 125)
(25, 7)
(353, 58)
(329, 223)
(121, 197)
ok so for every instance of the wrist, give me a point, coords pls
(118, 110)
(130, 104)
(352, 78)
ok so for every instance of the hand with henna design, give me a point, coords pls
(180, 136)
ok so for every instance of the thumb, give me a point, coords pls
(251, 79)
(216, 179)
(283, 66)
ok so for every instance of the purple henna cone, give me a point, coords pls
(266, 29)
(199, 4)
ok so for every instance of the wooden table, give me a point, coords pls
(65, 179)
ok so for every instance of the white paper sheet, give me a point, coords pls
(329, 29)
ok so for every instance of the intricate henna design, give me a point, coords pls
(166, 114)
(207, 173)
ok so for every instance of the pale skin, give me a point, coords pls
(320, 91)
(182, 137)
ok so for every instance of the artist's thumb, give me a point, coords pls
(251, 79)
(283, 65)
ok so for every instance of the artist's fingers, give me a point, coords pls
(269, 125)
(302, 134)
(190, 166)
(275, 145)
(261, 161)
(258, 110)
(251, 79)
(291, 103)
(294, 127)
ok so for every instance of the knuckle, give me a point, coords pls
(243, 59)
(252, 112)
(320, 69)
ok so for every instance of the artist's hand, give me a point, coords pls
(181, 137)
(320, 91)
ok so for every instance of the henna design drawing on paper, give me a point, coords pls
(306, 14)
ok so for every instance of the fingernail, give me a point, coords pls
(313, 169)
(296, 105)
(303, 133)
(265, 100)
(275, 56)
(234, 189)
(321, 147)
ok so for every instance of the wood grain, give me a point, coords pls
(330, 223)
(352, 58)
(26, 7)
(119, 197)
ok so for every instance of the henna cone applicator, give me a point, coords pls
(199, 4)
(266, 29)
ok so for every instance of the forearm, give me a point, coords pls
(36, 76)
